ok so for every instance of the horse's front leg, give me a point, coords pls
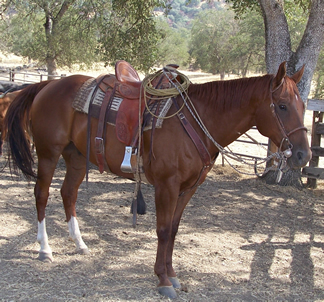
(181, 204)
(166, 197)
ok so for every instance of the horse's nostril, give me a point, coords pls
(303, 157)
(300, 155)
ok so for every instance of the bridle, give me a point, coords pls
(284, 155)
(287, 153)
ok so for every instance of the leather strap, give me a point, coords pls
(99, 80)
(202, 149)
(99, 139)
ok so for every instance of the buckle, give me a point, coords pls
(99, 145)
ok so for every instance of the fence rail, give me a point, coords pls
(12, 75)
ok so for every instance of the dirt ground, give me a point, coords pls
(240, 240)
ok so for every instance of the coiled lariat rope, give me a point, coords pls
(181, 89)
(166, 93)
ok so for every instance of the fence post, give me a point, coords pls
(11, 75)
(313, 171)
(316, 141)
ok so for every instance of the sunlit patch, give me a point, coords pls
(21, 225)
(258, 238)
(317, 259)
(301, 238)
(281, 265)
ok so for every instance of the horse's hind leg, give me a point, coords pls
(46, 168)
(75, 172)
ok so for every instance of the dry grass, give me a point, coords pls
(240, 240)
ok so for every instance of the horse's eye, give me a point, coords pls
(282, 107)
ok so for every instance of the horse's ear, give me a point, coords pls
(279, 76)
(298, 75)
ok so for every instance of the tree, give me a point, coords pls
(210, 41)
(173, 46)
(278, 46)
(65, 32)
(52, 35)
(248, 45)
(319, 78)
(222, 44)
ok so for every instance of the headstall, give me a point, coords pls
(286, 153)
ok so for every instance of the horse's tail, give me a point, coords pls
(17, 127)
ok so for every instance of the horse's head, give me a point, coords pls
(281, 118)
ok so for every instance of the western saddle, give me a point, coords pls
(125, 84)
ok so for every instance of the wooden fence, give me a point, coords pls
(12, 75)
(313, 172)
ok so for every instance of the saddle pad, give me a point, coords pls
(90, 90)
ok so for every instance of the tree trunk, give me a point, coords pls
(309, 48)
(278, 44)
(51, 68)
(50, 58)
(50, 25)
(278, 47)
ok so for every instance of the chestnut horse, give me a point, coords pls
(6, 99)
(171, 161)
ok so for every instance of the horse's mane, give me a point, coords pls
(231, 94)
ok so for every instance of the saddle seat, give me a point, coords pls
(126, 81)
(125, 73)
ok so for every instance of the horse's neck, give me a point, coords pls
(230, 125)
(227, 108)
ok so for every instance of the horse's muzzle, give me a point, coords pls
(299, 158)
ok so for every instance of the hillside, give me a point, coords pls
(182, 12)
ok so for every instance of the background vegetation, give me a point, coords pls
(196, 34)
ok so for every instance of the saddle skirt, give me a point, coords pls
(123, 112)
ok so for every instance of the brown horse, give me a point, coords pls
(5, 100)
(171, 161)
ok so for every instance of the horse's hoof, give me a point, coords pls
(175, 282)
(45, 257)
(167, 291)
(83, 251)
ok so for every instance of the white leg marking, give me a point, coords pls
(42, 238)
(75, 234)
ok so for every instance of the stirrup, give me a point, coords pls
(126, 165)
